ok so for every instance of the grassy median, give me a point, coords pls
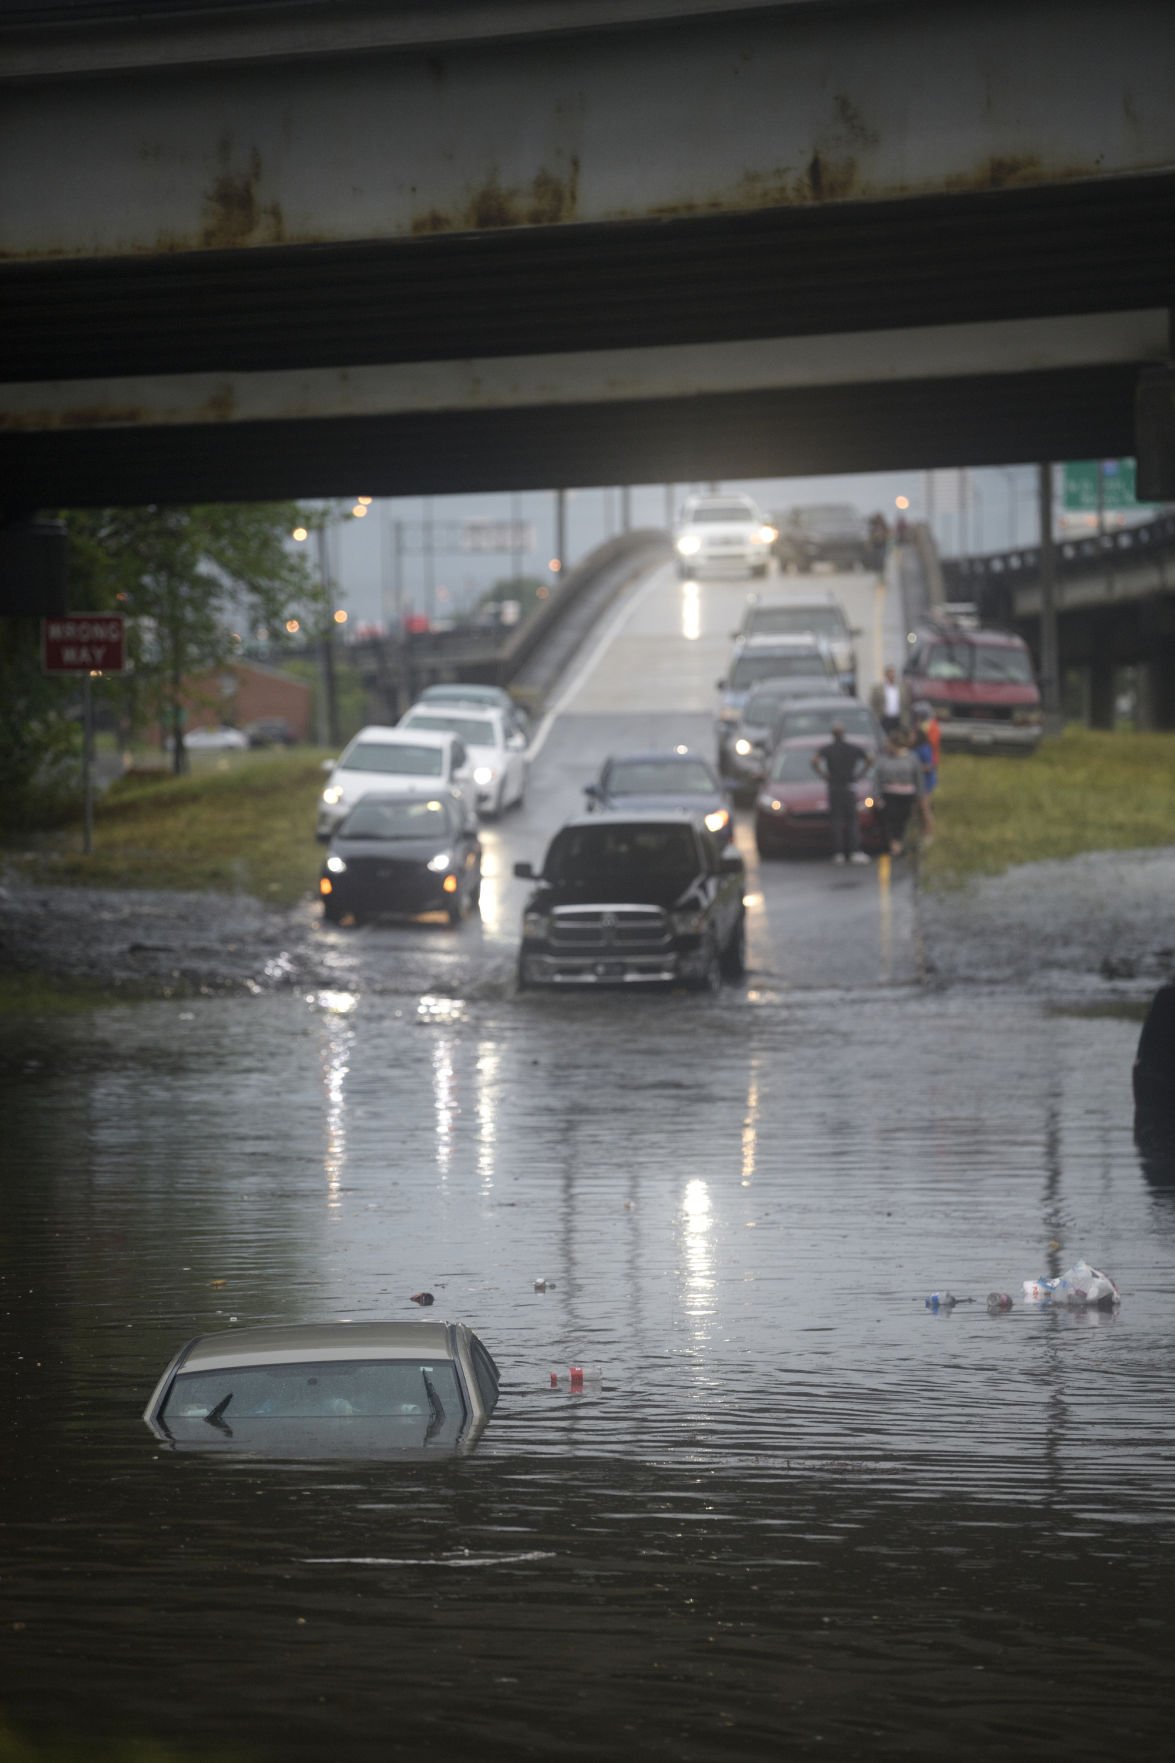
(239, 822)
(1085, 791)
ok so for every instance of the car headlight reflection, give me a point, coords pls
(717, 820)
(483, 775)
(689, 544)
(442, 861)
(336, 865)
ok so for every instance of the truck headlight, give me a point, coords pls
(336, 865)
(717, 820)
(766, 535)
(689, 545)
(689, 923)
(440, 862)
(742, 745)
(534, 924)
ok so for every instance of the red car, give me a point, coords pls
(791, 813)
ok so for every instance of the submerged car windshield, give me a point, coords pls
(660, 777)
(395, 820)
(795, 621)
(391, 757)
(749, 668)
(610, 853)
(333, 1390)
(475, 731)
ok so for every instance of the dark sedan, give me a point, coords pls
(403, 855)
(640, 783)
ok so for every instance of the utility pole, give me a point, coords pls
(670, 505)
(516, 536)
(1050, 664)
(561, 528)
(625, 508)
(328, 709)
(430, 588)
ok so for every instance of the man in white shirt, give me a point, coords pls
(891, 701)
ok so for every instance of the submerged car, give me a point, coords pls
(679, 779)
(337, 1389)
(791, 813)
(423, 763)
(402, 854)
(723, 533)
(497, 753)
(627, 898)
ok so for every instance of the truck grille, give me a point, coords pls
(623, 930)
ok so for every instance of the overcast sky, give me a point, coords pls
(998, 510)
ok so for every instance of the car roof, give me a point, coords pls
(467, 694)
(296, 1343)
(402, 737)
(784, 642)
(633, 817)
(452, 706)
(958, 633)
(658, 754)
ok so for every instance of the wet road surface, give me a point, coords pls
(799, 1514)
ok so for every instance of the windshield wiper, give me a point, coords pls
(215, 1416)
(436, 1408)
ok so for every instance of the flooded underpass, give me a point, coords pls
(796, 1512)
(797, 1506)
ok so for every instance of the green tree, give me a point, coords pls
(189, 579)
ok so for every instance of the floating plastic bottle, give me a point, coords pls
(941, 1301)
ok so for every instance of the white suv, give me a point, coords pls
(723, 532)
(415, 762)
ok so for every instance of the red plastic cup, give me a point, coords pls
(575, 1372)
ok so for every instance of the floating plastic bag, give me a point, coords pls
(1081, 1285)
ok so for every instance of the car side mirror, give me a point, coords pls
(592, 792)
(524, 871)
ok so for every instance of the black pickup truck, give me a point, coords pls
(627, 898)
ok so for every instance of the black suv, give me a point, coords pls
(626, 898)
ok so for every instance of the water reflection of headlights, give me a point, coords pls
(441, 861)
(717, 820)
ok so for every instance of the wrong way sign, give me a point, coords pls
(84, 642)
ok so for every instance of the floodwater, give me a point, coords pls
(799, 1513)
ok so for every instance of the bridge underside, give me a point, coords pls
(249, 252)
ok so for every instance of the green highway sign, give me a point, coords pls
(1080, 478)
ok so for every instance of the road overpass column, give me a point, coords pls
(1050, 670)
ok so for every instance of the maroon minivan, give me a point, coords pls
(981, 683)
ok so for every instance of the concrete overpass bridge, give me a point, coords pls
(288, 247)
